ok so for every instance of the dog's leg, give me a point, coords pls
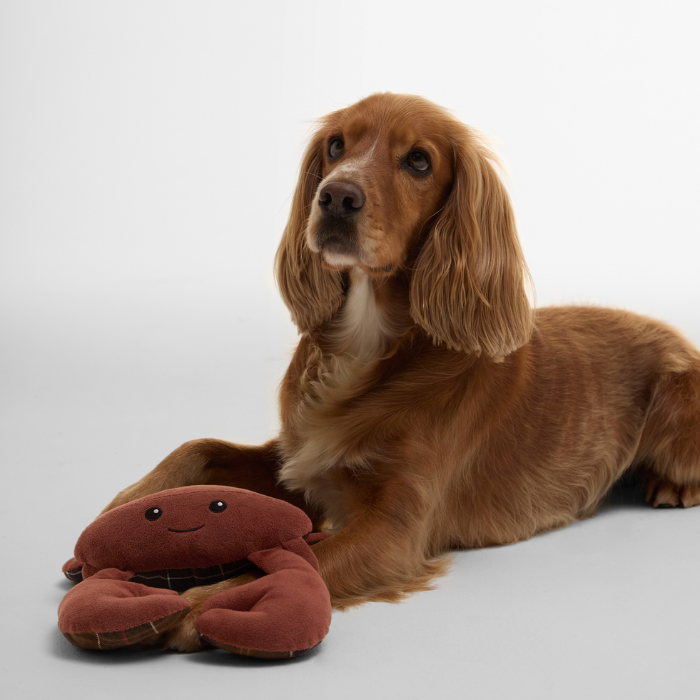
(387, 546)
(378, 557)
(670, 447)
(184, 636)
(216, 462)
(370, 559)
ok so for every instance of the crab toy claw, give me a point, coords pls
(277, 616)
(108, 611)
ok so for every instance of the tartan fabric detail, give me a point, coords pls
(74, 575)
(257, 653)
(146, 633)
(183, 579)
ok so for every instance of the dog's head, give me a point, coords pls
(394, 182)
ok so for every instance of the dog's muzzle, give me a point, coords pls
(339, 202)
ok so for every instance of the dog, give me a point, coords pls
(428, 407)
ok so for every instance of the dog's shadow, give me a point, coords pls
(626, 493)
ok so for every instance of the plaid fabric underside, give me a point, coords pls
(184, 579)
(146, 633)
(257, 653)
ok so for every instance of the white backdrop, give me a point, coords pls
(148, 152)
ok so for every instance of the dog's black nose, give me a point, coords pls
(341, 199)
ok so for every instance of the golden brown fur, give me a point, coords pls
(427, 407)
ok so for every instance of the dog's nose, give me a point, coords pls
(341, 199)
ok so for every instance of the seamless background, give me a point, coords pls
(148, 152)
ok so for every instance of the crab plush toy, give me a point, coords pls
(134, 559)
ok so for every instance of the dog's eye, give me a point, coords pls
(335, 148)
(418, 161)
(153, 513)
(217, 506)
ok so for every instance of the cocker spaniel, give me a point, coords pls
(427, 406)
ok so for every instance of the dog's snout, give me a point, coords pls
(341, 199)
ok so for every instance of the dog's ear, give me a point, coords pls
(311, 293)
(468, 287)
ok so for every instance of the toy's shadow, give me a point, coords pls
(64, 585)
(61, 648)
(219, 657)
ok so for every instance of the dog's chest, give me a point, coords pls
(329, 424)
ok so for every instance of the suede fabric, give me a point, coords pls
(191, 536)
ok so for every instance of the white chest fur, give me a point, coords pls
(327, 434)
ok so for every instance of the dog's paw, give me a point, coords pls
(184, 637)
(662, 493)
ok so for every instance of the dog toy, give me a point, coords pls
(132, 561)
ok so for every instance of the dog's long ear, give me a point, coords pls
(468, 286)
(311, 293)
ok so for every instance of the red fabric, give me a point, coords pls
(299, 547)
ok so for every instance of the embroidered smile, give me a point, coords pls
(190, 530)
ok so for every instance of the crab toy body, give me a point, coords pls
(137, 557)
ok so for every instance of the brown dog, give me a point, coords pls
(427, 407)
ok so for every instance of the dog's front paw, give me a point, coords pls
(184, 637)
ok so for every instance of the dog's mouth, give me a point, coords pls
(193, 529)
(337, 237)
(338, 254)
(337, 245)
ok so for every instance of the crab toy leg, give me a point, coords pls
(107, 611)
(283, 614)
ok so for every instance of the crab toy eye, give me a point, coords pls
(153, 513)
(217, 506)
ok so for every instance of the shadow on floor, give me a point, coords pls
(626, 492)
